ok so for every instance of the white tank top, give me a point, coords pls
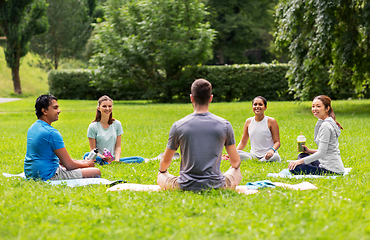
(260, 137)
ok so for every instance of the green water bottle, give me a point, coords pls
(301, 140)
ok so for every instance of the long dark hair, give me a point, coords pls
(98, 113)
(327, 103)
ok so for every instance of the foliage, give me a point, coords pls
(338, 209)
(68, 33)
(238, 82)
(19, 21)
(76, 84)
(241, 25)
(72, 84)
(149, 42)
(91, 5)
(327, 40)
(230, 83)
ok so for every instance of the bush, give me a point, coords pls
(230, 83)
(122, 88)
(81, 84)
(72, 84)
(238, 82)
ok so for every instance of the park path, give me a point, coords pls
(4, 100)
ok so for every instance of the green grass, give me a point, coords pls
(338, 209)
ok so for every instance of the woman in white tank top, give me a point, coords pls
(263, 132)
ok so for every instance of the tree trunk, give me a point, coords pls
(56, 57)
(56, 62)
(16, 78)
(220, 57)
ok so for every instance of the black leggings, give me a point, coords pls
(311, 168)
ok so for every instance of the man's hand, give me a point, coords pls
(69, 163)
(90, 163)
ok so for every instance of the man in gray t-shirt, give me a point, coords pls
(201, 137)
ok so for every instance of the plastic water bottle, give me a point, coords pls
(301, 140)
(107, 153)
(93, 154)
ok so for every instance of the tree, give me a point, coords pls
(91, 5)
(326, 40)
(150, 41)
(70, 28)
(241, 25)
(20, 20)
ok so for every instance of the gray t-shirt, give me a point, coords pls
(201, 138)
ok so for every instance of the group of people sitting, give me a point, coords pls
(201, 137)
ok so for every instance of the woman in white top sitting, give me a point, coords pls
(326, 159)
(263, 132)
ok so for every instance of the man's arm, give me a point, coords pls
(69, 163)
(234, 157)
(165, 162)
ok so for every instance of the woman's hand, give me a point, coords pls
(269, 154)
(107, 159)
(306, 149)
(295, 163)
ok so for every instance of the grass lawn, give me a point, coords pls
(338, 209)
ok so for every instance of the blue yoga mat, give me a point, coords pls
(132, 160)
